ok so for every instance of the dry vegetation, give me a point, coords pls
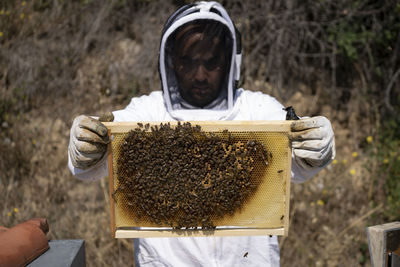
(339, 59)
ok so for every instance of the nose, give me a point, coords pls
(201, 73)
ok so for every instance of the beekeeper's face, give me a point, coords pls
(199, 64)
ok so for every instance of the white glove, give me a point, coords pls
(88, 142)
(313, 142)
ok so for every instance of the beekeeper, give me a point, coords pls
(199, 65)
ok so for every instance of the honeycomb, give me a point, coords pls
(263, 200)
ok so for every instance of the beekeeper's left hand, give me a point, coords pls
(313, 142)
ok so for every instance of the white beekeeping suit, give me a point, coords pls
(231, 104)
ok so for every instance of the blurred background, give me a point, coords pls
(337, 58)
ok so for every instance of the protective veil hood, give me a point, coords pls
(221, 107)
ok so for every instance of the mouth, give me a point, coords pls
(201, 90)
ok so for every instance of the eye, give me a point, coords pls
(187, 62)
(212, 63)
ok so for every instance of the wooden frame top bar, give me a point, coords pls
(211, 126)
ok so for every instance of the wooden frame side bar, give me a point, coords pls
(111, 186)
(287, 192)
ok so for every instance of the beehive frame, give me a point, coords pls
(279, 173)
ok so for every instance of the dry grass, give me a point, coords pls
(73, 58)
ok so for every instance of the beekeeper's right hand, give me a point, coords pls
(88, 142)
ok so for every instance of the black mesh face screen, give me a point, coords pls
(218, 26)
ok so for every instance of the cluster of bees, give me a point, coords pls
(183, 177)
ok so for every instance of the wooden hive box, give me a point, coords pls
(265, 211)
